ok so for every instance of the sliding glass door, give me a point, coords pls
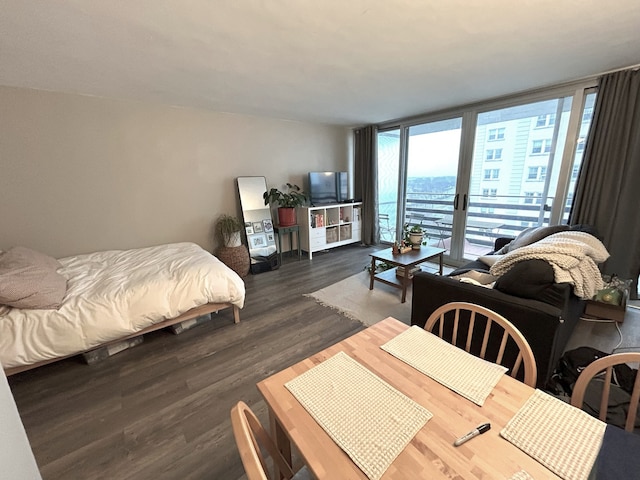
(388, 183)
(484, 172)
(433, 158)
(515, 168)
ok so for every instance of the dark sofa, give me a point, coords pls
(544, 311)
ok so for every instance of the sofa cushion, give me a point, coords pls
(531, 235)
(478, 278)
(527, 279)
(476, 265)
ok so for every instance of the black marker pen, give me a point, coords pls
(473, 433)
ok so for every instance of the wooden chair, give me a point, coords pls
(251, 439)
(524, 357)
(606, 364)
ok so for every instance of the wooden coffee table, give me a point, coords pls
(406, 260)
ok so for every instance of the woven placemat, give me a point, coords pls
(465, 374)
(368, 418)
(563, 438)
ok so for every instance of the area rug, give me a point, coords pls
(352, 298)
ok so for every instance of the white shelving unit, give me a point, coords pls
(329, 226)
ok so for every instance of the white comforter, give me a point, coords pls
(113, 294)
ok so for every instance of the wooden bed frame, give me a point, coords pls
(191, 314)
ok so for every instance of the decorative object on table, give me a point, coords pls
(400, 271)
(287, 201)
(610, 302)
(267, 225)
(413, 236)
(400, 248)
(258, 241)
(228, 230)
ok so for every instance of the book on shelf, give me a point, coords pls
(317, 220)
(412, 271)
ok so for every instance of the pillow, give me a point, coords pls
(490, 259)
(475, 265)
(478, 278)
(527, 279)
(28, 279)
(531, 235)
(591, 230)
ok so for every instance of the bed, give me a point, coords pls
(54, 309)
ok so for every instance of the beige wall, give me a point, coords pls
(80, 174)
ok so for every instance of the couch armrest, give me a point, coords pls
(501, 242)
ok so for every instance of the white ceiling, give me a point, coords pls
(347, 62)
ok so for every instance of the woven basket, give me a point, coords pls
(236, 258)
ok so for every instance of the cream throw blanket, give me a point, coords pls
(573, 255)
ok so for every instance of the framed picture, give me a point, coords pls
(258, 241)
(268, 225)
(257, 227)
(270, 238)
(248, 227)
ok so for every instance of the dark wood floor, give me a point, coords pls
(161, 410)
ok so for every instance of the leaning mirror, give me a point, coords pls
(257, 223)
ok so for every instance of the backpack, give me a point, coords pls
(622, 379)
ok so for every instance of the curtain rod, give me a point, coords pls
(630, 67)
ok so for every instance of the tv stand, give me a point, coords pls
(329, 226)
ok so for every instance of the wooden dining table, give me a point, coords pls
(431, 453)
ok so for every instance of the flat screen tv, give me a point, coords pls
(328, 187)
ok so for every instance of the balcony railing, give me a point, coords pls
(487, 218)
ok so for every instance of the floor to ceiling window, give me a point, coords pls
(388, 180)
(484, 172)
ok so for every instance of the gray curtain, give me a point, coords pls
(608, 189)
(366, 181)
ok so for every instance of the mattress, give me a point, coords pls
(112, 294)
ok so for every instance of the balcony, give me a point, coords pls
(488, 218)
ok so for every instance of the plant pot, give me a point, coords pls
(286, 216)
(416, 240)
(232, 240)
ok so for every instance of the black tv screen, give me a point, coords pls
(328, 187)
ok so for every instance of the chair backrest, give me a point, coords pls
(606, 364)
(504, 328)
(250, 437)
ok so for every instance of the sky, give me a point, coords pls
(434, 154)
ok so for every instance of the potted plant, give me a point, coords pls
(287, 201)
(228, 229)
(414, 236)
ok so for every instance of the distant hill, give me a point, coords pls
(431, 184)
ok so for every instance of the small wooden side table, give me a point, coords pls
(406, 260)
(290, 229)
